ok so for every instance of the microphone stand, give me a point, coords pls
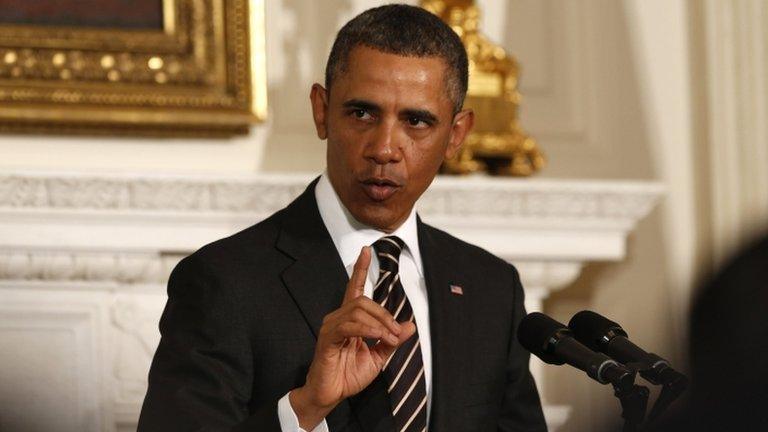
(673, 385)
(634, 401)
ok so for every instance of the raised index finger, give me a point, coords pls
(359, 273)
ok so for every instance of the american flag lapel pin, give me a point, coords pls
(455, 289)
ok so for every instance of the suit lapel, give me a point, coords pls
(316, 280)
(448, 335)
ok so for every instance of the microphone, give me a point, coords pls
(603, 335)
(553, 342)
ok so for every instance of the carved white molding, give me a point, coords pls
(121, 268)
(481, 196)
(142, 214)
(134, 321)
(147, 193)
(151, 214)
(548, 275)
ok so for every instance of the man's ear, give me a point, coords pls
(319, 98)
(462, 125)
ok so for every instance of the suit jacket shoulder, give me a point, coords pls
(473, 263)
(247, 245)
(476, 254)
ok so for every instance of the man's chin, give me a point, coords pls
(377, 216)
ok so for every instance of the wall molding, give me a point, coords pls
(264, 194)
(89, 266)
(150, 214)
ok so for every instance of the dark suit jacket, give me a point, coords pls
(240, 326)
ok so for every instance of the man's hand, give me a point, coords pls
(344, 365)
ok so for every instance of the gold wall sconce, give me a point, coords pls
(497, 145)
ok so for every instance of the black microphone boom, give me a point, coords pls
(554, 343)
(603, 335)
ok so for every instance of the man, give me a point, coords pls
(727, 348)
(344, 311)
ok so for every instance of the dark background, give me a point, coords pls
(127, 14)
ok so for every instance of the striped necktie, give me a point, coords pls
(404, 371)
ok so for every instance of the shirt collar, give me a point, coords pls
(349, 235)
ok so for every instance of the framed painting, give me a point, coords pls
(132, 67)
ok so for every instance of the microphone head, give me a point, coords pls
(594, 330)
(539, 334)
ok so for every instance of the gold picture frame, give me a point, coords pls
(202, 74)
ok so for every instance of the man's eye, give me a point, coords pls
(417, 122)
(361, 114)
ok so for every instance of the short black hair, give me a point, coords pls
(407, 31)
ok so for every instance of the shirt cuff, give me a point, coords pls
(288, 420)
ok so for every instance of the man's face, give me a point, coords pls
(389, 124)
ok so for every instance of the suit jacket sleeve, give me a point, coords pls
(521, 408)
(201, 377)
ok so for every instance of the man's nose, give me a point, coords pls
(385, 146)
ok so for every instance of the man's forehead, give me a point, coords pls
(364, 61)
(372, 74)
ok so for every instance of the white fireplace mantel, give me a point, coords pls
(90, 254)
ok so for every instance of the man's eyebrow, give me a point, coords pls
(361, 104)
(421, 114)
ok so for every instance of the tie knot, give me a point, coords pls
(388, 250)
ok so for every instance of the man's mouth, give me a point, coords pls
(380, 189)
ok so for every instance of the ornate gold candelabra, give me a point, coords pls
(497, 144)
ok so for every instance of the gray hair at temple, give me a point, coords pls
(406, 31)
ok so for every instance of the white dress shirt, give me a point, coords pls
(349, 236)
